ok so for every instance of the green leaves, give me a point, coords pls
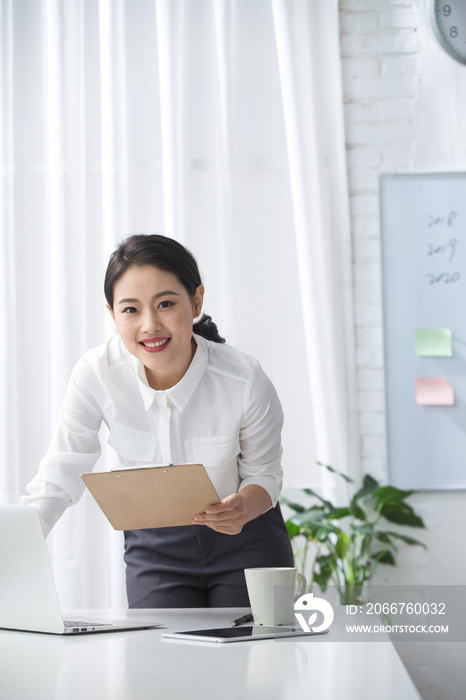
(384, 557)
(369, 485)
(293, 530)
(402, 514)
(325, 566)
(407, 540)
(349, 554)
(294, 506)
(356, 510)
(341, 513)
(312, 524)
(334, 471)
(342, 545)
(389, 494)
(327, 504)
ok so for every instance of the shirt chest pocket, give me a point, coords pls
(134, 448)
(213, 452)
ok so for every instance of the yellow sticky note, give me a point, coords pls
(434, 391)
(434, 342)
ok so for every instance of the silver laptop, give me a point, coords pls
(28, 597)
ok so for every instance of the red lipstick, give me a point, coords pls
(152, 341)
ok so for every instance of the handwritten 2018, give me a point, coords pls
(440, 220)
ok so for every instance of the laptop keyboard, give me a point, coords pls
(80, 623)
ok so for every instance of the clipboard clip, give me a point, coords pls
(141, 466)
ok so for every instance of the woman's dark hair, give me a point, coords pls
(166, 254)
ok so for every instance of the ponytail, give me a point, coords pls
(206, 328)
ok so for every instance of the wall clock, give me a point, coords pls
(448, 18)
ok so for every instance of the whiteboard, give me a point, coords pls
(423, 238)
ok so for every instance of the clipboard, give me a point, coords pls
(138, 498)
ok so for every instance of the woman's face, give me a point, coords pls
(154, 315)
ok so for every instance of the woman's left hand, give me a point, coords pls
(228, 517)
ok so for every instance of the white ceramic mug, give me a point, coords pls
(272, 593)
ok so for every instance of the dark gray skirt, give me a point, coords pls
(195, 567)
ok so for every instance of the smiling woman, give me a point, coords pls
(157, 326)
(170, 390)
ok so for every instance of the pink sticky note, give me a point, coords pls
(434, 391)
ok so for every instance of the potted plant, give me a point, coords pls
(350, 543)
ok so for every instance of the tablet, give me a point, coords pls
(239, 634)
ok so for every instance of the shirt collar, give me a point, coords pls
(179, 394)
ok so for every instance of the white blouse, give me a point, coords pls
(224, 413)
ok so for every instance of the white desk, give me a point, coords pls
(140, 665)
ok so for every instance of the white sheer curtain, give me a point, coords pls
(217, 122)
(308, 57)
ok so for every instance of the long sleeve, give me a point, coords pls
(74, 449)
(260, 441)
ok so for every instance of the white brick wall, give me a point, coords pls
(381, 83)
(404, 110)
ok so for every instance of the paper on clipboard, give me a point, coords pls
(151, 496)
